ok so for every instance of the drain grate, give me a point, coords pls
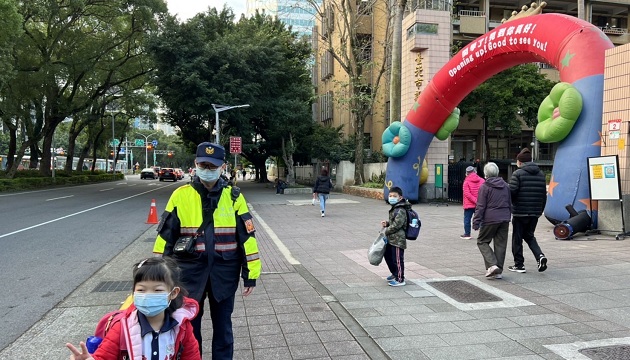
(615, 352)
(463, 291)
(112, 286)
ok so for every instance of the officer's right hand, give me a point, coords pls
(248, 290)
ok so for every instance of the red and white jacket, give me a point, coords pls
(111, 349)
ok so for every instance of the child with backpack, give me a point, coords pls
(396, 233)
(158, 321)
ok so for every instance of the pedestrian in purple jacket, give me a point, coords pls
(492, 219)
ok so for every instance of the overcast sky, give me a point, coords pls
(185, 9)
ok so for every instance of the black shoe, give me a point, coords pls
(542, 263)
(519, 269)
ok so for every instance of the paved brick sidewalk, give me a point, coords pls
(318, 298)
(580, 301)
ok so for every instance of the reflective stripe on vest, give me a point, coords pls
(223, 247)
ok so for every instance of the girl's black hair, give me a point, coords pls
(164, 270)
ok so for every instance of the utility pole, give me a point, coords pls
(395, 76)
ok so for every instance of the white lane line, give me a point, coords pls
(283, 249)
(123, 183)
(62, 197)
(106, 189)
(133, 184)
(78, 213)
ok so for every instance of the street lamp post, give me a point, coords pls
(146, 151)
(113, 145)
(219, 108)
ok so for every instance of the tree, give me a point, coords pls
(73, 52)
(395, 75)
(344, 38)
(507, 100)
(10, 22)
(257, 61)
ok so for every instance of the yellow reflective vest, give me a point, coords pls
(226, 245)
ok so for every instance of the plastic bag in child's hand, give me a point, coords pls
(377, 250)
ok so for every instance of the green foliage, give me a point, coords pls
(372, 185)
(256, 61)
(505, 96)
(28, 180)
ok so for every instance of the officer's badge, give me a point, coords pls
(209, 150)
(249, 225)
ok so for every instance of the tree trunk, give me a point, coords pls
(82, 156)
(395, 72)
(34, 161)
(287, 155)
(486, 141)
(72, 138)
(12, 147)
(358, 154)
(20, 153)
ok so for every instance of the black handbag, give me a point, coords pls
(186, 244)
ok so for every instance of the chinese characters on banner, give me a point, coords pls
(236, 144)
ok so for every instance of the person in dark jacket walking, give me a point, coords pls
(492, 219)
(322, 188)
(528, 187)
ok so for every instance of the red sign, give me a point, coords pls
(614, 125)
(236, 145)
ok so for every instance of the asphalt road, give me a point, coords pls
(51, 241)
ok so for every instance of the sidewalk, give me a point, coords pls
(319, 298)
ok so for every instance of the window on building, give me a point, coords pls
(422, 28)
(364, 44)
(364, 7)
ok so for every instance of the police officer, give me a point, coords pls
(209, 231)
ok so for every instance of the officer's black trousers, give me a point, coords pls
(221, 315)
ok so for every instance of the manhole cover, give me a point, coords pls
(615, 352)
(112, 286)
(463, 291)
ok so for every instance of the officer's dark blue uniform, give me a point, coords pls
(226, 249)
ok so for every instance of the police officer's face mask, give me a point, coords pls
(208, 175)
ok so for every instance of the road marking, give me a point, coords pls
(106, 189)
(122, 183)
(78, 213)
(283, 249)
(63, 197)
(133, 184)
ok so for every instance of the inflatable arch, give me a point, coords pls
(575, 47)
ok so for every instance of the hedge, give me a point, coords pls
(30, 183)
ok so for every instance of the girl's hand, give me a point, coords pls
(76, 355)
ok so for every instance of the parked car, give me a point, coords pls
(148, 173)
(168, 173)
(180, 173)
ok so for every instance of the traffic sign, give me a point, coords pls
(116, 142)
(236, 144)
(139, 142)
(154, 142)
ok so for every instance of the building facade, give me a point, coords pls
(299, 14)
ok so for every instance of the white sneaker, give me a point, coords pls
(323, 214)
(492, 270)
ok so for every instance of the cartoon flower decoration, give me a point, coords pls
(558, 113)
(450, 124)
(396, 140)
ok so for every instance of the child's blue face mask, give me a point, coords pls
(393, 200)
(151, 304)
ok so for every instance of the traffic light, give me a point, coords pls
(170, 154)
(149, 146)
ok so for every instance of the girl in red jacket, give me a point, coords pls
(158, 322)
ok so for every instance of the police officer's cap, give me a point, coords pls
(210, 153)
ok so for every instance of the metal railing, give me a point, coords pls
(614, 31)
(472, 13)
(440, 5)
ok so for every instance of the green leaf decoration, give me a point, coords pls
(396, 140)
(558, 113)
(451, 123)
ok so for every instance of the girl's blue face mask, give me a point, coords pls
(151, 304)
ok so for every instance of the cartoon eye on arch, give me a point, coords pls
(451, 123)
(558, 113)
(396, 140)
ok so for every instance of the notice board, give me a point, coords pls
(603, 177)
